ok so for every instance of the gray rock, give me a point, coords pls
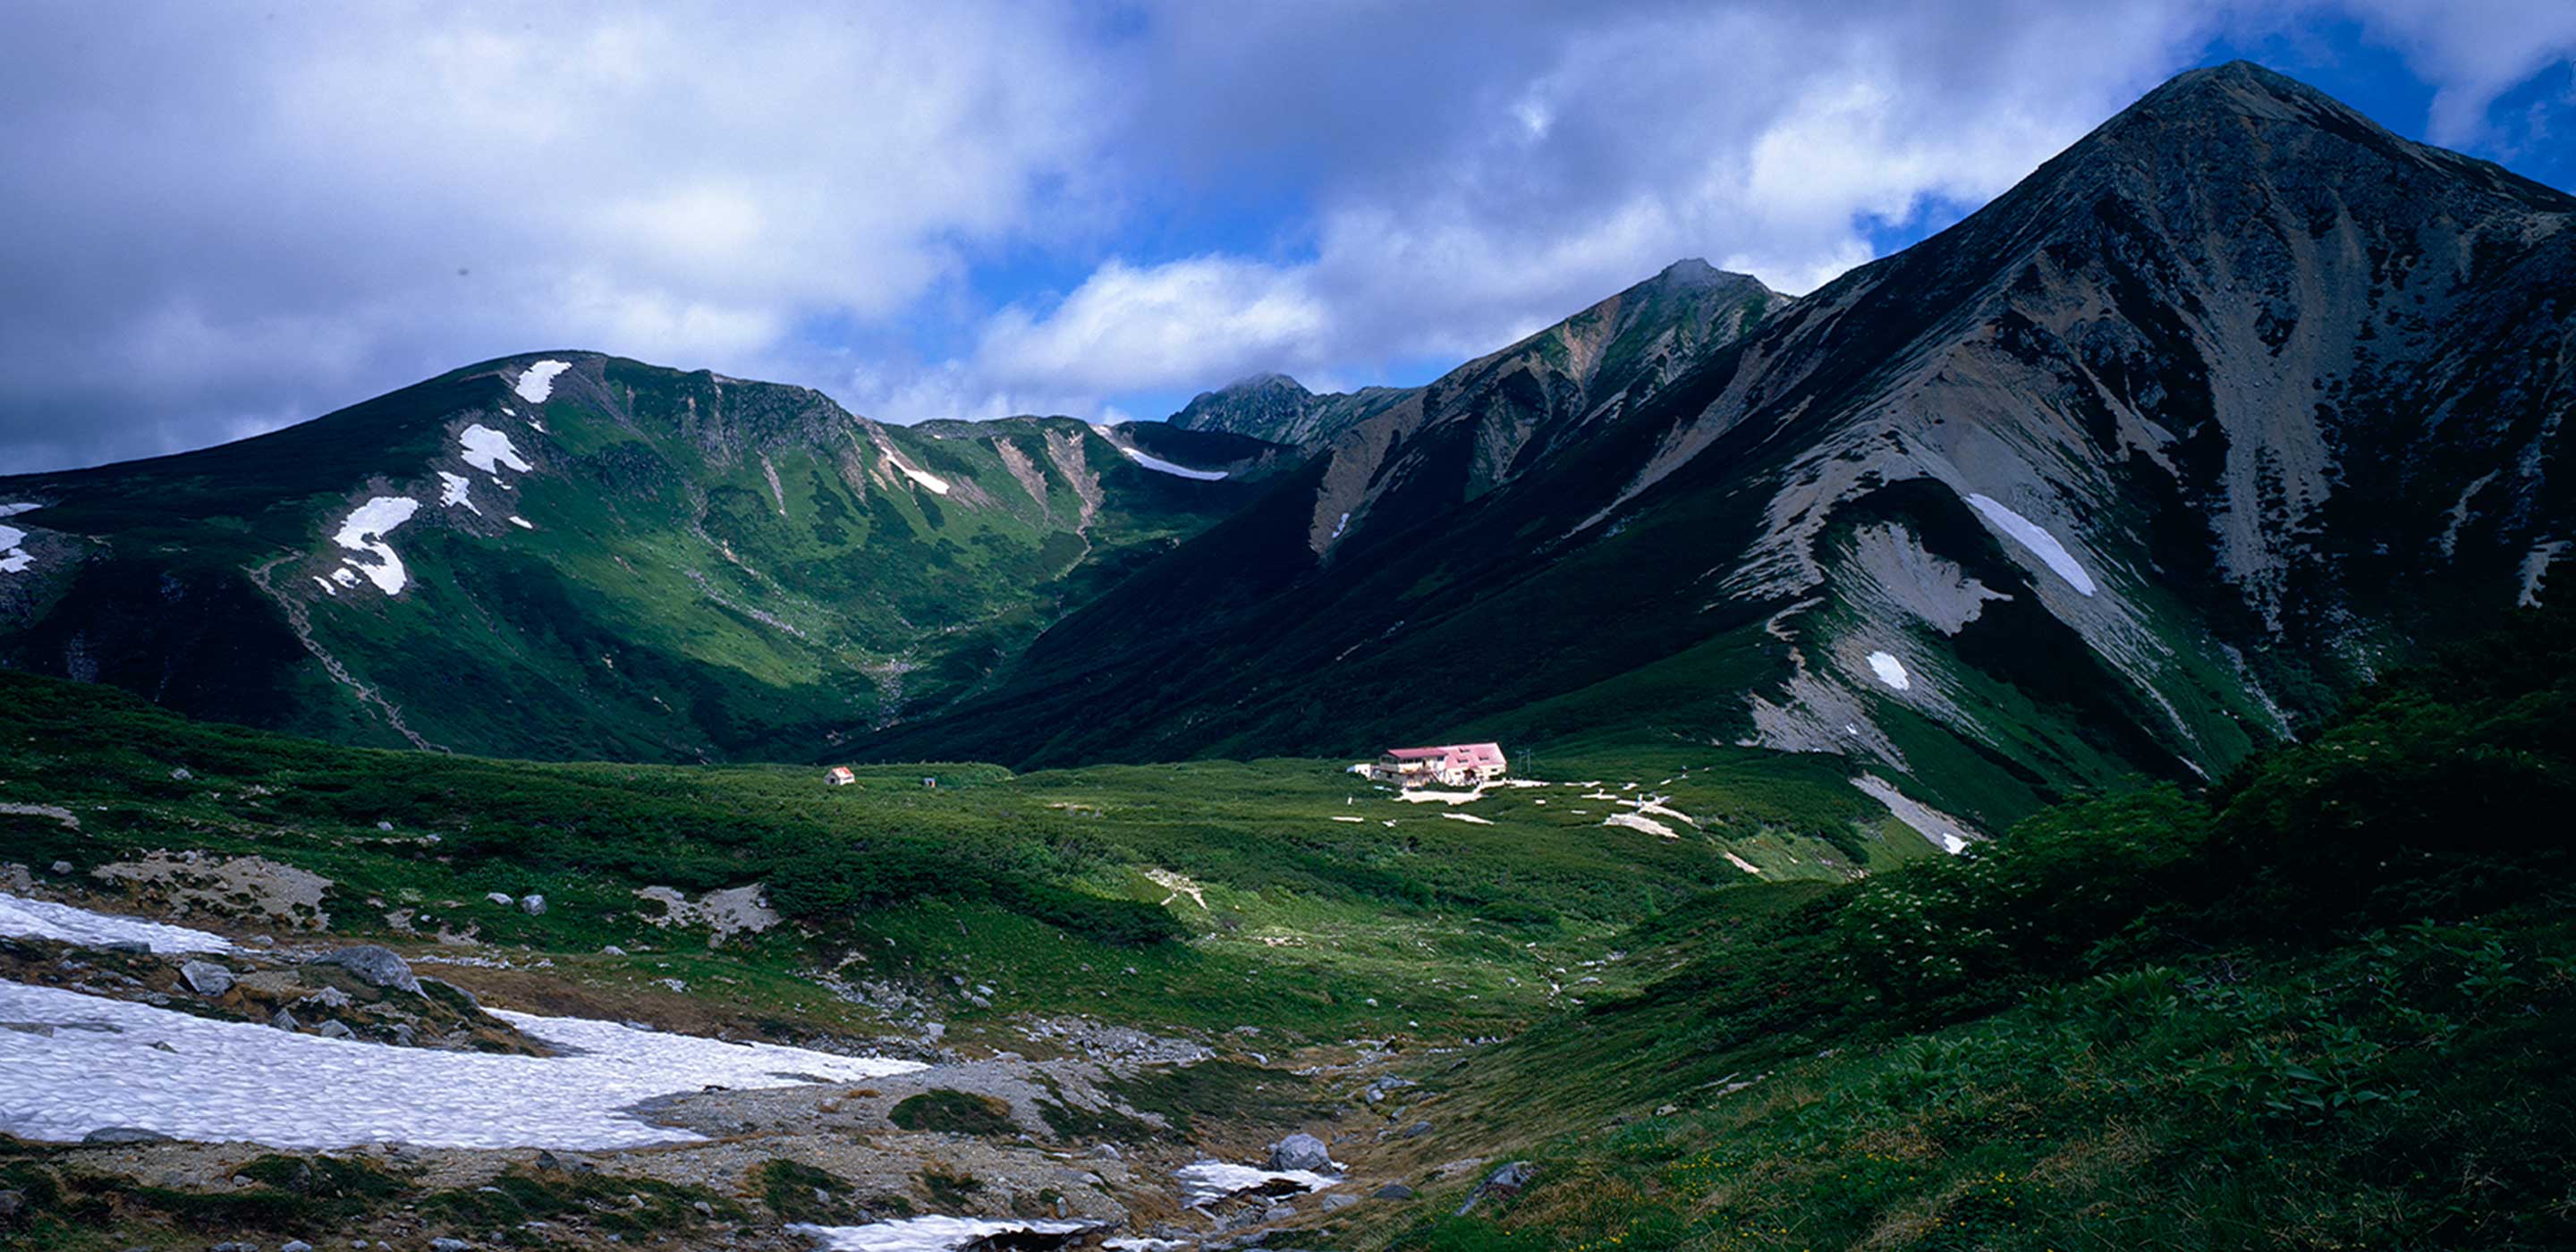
(1392, 1191)
(1502, 1182)
(1300, 1151)
(124, 1134)
(335, 1030)
(501, 898)
(62, 867)
(375, 966)
(1414, 1131)
(533, 906)
(328, 998)
(384, 826)
(207, 978)
(12, 1203)
(181, 774)
(448, 1245)
(285, 1020)
(1335, 1203)
(1105, 1151)
(295, 1245)
(130, 947)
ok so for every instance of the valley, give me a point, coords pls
(2056, 738)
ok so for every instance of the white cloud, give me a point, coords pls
(1166, 325)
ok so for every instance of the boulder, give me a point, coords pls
(1334, 1203)
(1392, 1191)
(62, 867)
(206, 978)
(1502, 1182)
(295, 1245)
(335, 1030)
(375, 966)
(533, 906)
(501, 898)
(1300, 1151)
(124, 1134)
(284, 1020)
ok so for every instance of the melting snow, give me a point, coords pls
(924, 477)
(1646, 824)
(1160, 465)
(12, 557)
(538, 380)
(486, 448)
(1203, 1181)
(1466, 817)
(457, 491)
(1890, 670)
(1418, 796)
(1356, 820)
(1742, 864)
(365, 531)
(2029, 535)
(219, 1080)
(22, 918)
(12, 510)
(521, 522)
(345, 576)
(926, 1234)
(2535, 568)
(1340, 526)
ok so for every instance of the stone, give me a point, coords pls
(1335, 1203)
(1105, 1151)
(329, 998)
(124, 1134)
(1300, 1151)
(335, 1030)
(207, 978)
(501, 898)
(295, 1245)
(1503, 1181)
(181, 774)
(1392, 1191)
(612, 950)
(12, 1203)
(1414, 1131)
(375, 966)
(385, 826)
(533, 906)
(449, 1245)
(62, 867)
(284, 1020)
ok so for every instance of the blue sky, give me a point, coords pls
(231, 217)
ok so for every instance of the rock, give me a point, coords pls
(1335, 1203)
(284, 1020)
(130, 947)
(1105, 1151)
(449, 1245)
(328, 998)
(385, 826)
(295, 1245)
(533, 906)
(124, 1134)
(612, 950)
(1502, 1182)
(335, 1030)
(1414, 1131)
(547, 1160)
(1392, 1191)
(502, 898)
(704, 1209)
(181, 774)
(12, 1203)
(375, 966)
(62, 867)
(207, 978)
(1300, 1151)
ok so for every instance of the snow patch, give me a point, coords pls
(21, 918)
(926, 1234)
(1340, 526)
(2041, 543)
(1646, 824)
(457, 489)
(486, 448)
(538, 380)
(1203, 1181)
(1742, 864)
(1466, 817)
(2535, 567)
(521, 522)
(219, 1080)
(1424, 796)
(12, 557)
(364, 532)
(1161, 466)
(12, 510)
(1890, 670)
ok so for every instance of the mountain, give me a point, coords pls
(1640, 332)
(2128, 473)
(576, 555)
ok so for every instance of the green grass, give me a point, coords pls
(954, 1113)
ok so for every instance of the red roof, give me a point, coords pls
(1454, 754)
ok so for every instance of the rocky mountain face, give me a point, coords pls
(2207, 420)
(1639, 335)
(580, 556)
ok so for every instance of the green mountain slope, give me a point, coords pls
(581, 556)
(2128, 473)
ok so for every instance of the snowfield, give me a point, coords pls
(12, 557)
(1161, 466)
(221, 1081)
(365, 531)
(486, 449)
(538, 380)
(21, 918)
(2041, 543)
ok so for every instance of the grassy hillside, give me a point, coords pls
(2322, 1005)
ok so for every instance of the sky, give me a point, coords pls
(221, 218)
